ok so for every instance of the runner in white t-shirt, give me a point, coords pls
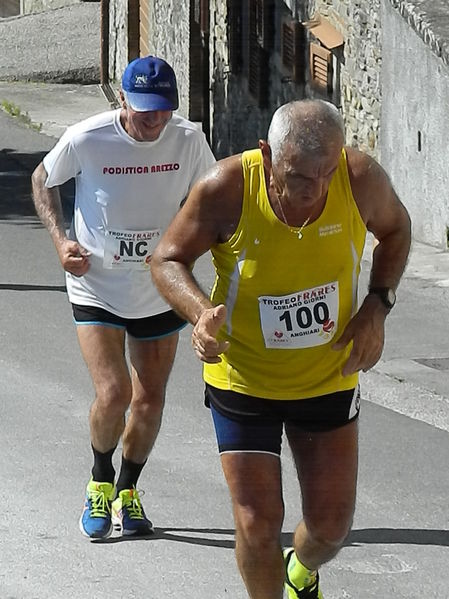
(132, 168)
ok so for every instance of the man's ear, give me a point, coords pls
(122, 99)
(266, 154)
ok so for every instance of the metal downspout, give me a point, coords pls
(104, 44)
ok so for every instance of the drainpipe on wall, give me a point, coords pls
(205, 27)
(104, 44)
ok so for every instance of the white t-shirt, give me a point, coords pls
(127, 192)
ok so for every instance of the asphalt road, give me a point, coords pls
(399, 547)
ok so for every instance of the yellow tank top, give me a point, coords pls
(288, 299)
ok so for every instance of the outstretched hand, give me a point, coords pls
(74, 258)
(367, 332)
(204, 335)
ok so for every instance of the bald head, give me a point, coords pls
(311, 127)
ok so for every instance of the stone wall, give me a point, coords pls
(118, 39)
(359, 85)
(360, 24)
(395, 55)
(238, 121)
(414, 125)
(360, 68)
(169, 39)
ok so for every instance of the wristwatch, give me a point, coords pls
(386, 294)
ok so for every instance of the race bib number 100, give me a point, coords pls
(301, 319)
(130, 249)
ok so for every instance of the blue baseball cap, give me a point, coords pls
(149, 83)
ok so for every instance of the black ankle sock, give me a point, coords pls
(103, 470)
(129, 474)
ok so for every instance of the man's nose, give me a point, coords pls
(314, 186)
(155, 117)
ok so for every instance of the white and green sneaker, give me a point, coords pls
(128, 515)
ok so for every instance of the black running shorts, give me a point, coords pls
(246, 423)
(151, 327)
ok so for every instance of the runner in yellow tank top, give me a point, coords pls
(282, 336)
(288, 292)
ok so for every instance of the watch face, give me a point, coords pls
(391, 297)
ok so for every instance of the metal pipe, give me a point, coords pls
(104, 44)
(205, 28)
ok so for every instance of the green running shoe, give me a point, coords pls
(304, 585)
(128, 515)
(95, 521)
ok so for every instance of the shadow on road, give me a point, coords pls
(398, 536)
(379, 536)
(14, 287)
(15, 187)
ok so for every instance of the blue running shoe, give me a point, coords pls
(128, 515)
(95, 521)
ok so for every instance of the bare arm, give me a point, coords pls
(47, 201)
(386, 217)
(209, 215)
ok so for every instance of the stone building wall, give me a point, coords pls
(238, 121)
(414, 124)
(395, 56)
(359, 85)
(118, 39)
(169, 39)
(360, 24)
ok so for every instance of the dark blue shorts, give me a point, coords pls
(246, 423)
(151, 327)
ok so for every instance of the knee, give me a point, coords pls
(113, 397)
(147, 407)
(327, 532)
(259, 528)
(329, 521)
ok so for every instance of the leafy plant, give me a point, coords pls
(15, 111)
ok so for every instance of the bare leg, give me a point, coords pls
(327, 469)
(151, 363)
(103, 352)
(254, 481)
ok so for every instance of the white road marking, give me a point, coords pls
(405, 398)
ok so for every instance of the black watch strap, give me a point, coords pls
(386, 295)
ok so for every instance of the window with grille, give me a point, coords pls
(260, 41)
(264, 22)
(324, 56)
(235, 45)
(293, 49)
(321, 67)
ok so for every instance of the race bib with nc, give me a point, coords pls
(130, 249)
